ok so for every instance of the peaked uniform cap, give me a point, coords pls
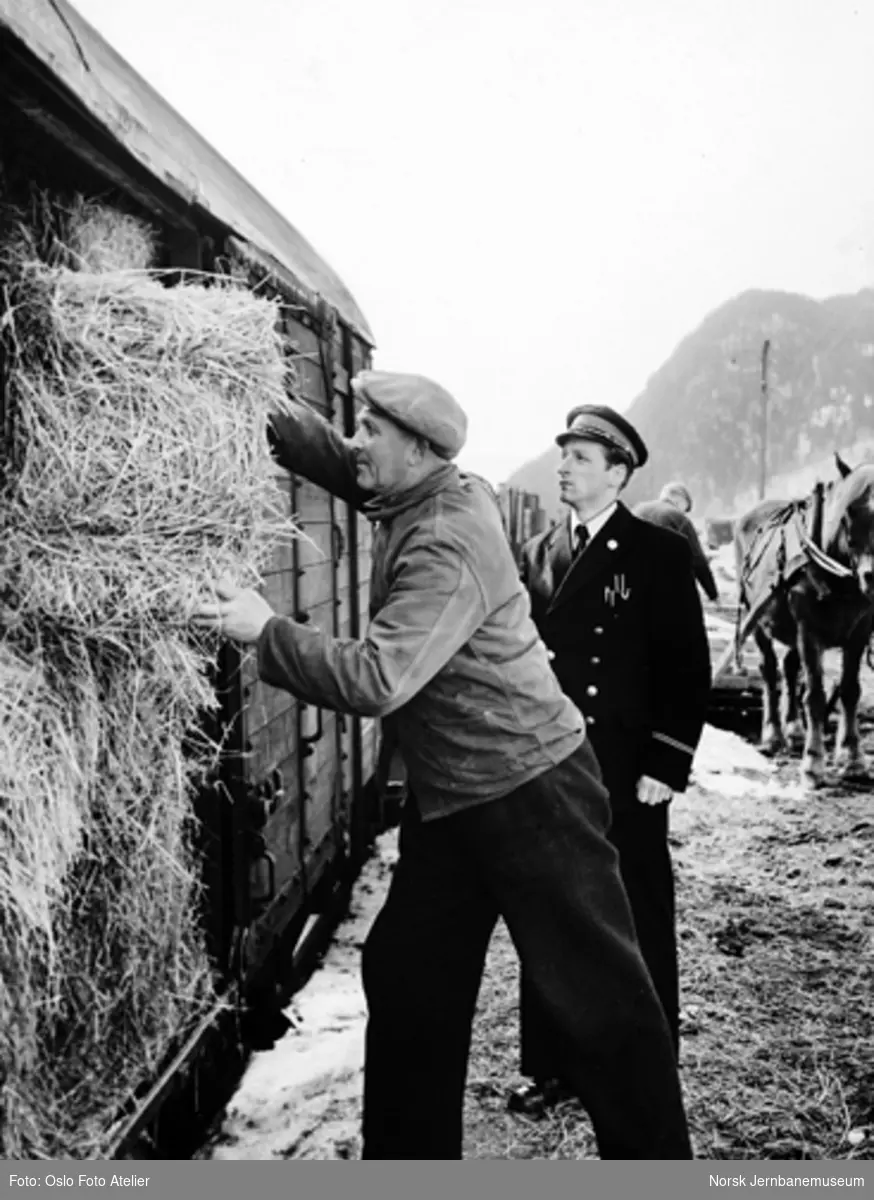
(417, 404)
(599, 423)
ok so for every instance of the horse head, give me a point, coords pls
(848, 525)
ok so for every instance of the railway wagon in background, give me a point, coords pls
(718, 531)
(288, 822)
(522, 514)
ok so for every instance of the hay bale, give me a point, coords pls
(137, 472)
(105, 240)
(43, 764)
(81, 233)
(132, 508)
(105, 962)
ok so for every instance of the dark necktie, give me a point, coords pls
(581, 539)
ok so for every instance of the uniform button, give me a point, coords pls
(591, 690)
(599, 629)
(590, 720)
(595, 660)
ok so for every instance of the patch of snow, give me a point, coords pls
(723, 562)
(727, 765)
(720, 751)
(287, 1093)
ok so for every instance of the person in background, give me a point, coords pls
(671, 510)
(615, 601)
(505, 815)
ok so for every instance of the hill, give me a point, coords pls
(700, 413)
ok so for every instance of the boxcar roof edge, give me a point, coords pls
(159, 138)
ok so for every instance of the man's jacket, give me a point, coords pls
(662, 512)
(624, 624)
(451, 659)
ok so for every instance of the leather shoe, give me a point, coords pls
(534, 1098)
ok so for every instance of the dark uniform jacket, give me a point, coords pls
(662, 512)
(626, 631)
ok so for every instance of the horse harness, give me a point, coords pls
(797, 529)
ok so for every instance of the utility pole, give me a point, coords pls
(763, 458)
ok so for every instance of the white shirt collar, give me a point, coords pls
(595, 524)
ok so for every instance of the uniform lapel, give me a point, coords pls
(600, 556)
(560, 553)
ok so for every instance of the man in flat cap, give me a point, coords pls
(506, 814)
(671, 510)
(615, 600)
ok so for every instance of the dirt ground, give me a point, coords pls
(775, 891)
(777, 967)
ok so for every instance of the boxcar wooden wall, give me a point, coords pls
(289, 808)
(304, 768)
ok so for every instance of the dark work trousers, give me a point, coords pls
(640, 834)
(540, 859)
(641, 837)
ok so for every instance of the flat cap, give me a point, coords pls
(675, 488)
(598, 423)
(416, 404)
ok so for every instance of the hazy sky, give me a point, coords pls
(533, 202)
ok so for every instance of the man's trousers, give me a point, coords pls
(640, 836)
(540, 858)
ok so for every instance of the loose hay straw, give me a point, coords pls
(103, 239)
(80, 233)
(151, 469)
(138, 472)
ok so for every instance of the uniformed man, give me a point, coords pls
(672, 511)
(615, 600)
(506, 814)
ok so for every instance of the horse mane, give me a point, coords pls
(858, 482)
(843, 495)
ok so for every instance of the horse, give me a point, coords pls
(820, 597)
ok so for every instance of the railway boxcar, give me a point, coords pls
(289, 819)
(522, 515)
(718, 531)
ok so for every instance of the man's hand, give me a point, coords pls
(652, 791)
(241, 613)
